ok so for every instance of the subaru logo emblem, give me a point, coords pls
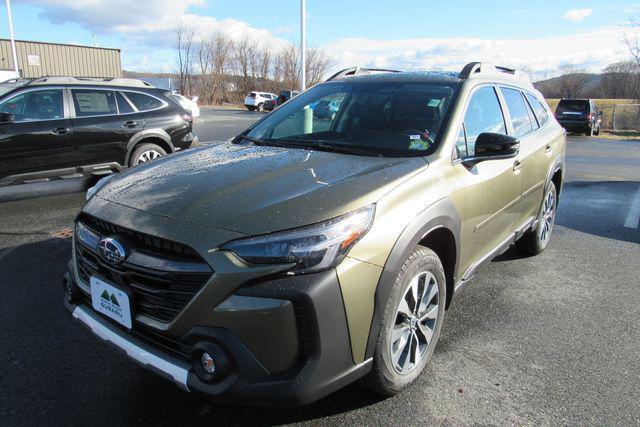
(111, 250)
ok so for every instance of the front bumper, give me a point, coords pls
(255, 344)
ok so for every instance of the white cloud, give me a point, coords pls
(591, 50)
(148, 22)
(577, 14)
(146, 30)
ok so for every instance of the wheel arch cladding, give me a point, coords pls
(437, 227)
(556, 178)
(149, 137)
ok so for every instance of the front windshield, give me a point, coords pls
(389, 118)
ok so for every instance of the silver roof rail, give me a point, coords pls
(112, 81)
(359, 71)
(485, 69)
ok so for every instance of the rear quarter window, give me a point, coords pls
(539, 109)
(143, 102)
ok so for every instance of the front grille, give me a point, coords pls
(157, 294)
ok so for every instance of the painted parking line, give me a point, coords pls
(633, 217)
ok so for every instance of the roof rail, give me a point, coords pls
(484, 69)
(116, 81)
(358, 71)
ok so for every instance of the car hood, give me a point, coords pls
(254, 190)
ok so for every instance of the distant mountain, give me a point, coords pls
(571, 86)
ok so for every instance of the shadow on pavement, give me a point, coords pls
(599, 208)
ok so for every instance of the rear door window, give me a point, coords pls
(520, 120)
(144, 102)
(483, 115)
(92, 102)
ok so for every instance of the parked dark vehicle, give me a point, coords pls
(270, 105)
(326, 109)
(579, 115)
(53, 127)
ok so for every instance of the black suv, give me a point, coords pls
(579, 115)
(59, 126)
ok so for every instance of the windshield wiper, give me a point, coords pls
(340, 148)
(327, 146)
(254, 140)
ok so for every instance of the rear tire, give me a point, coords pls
(250, 108)
(145, 153)
(409, 330)
(535, 241)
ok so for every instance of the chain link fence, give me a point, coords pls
(626, 117)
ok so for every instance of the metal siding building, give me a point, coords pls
(37, 59)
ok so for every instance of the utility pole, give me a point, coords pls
(95, 43)
(13, 40)
(303, 47)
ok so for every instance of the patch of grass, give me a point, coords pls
(620, 135)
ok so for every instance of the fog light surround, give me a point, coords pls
(210, 362)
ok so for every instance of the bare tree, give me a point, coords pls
(632, 40)
(221, 63)
(243, 58)
(317, 66)
(184, 56)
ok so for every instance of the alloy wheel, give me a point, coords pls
(548, 216)
(415, 321)
(148, 156)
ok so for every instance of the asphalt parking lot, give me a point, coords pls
(553, 339)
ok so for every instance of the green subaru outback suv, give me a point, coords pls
(309, 252)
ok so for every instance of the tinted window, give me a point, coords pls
(123, 106)
(520, 119)
(483, 115)
(380, 117)
(35, 105)
(539, 110)
(532, 117)
(91, 102)
(569, 106)
(143, 102)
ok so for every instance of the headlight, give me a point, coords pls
(313, 248)
(101, 183)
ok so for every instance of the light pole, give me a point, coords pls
(13, 40)
(303, 53)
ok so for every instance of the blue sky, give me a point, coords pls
(541, 35)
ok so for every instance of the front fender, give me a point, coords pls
(441, 214)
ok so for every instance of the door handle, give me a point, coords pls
(60, 131)
(130, 124)
(549, 149)
(517, 165)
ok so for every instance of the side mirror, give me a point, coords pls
(7, 118)
(490, 146)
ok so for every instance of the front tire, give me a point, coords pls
(535, 241)
(411, 324)
(261, 107)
